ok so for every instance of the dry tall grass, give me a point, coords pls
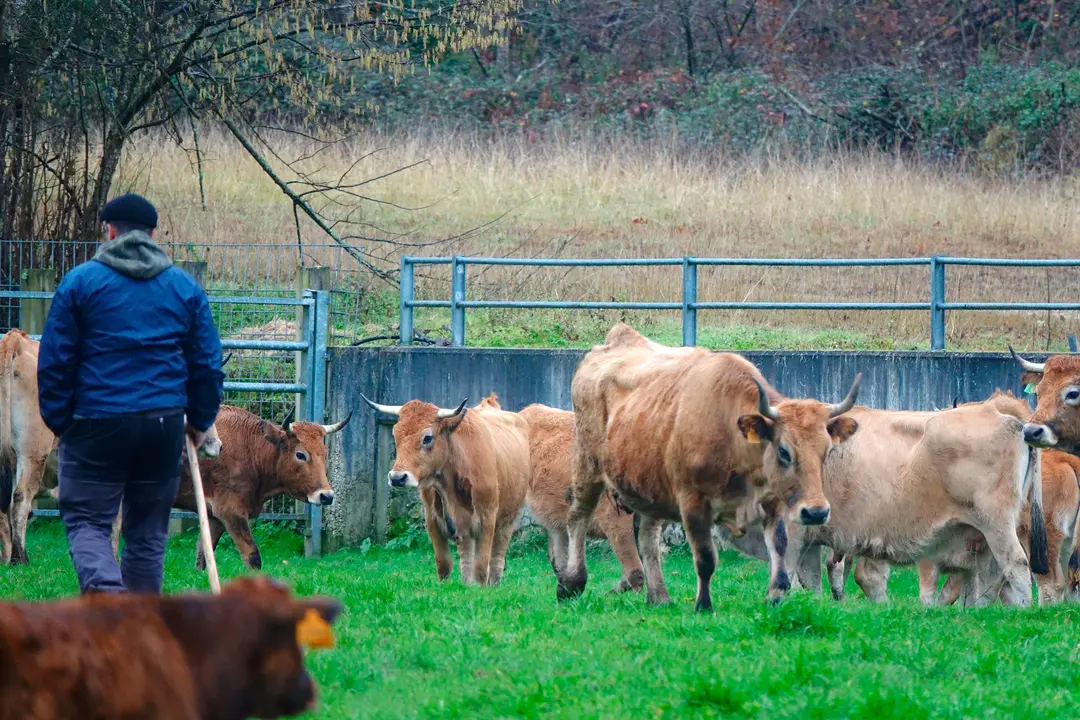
(594, 199)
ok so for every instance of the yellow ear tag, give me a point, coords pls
(314, 632)
(752, 437)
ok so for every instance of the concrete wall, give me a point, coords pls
(362, 453)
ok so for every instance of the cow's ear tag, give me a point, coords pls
(752, 437)
(1029, 389)
(314, 632)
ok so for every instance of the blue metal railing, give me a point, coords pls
(689, 305)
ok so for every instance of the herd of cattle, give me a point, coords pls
(986, 493)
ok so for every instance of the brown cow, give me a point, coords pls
(1056, 420)
(472, 468)
(114, 656)
(258, 461)
(698, 436)
(551, 433)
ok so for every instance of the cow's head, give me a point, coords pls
(1056, 420)
(268, 630)
(798, 434)
(422, 436)
(300, 460)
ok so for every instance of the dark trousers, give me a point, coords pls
(136, 460)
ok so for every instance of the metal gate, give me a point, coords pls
(306, 390)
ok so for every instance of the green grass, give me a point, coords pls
(409, 647)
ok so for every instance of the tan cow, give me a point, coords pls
(690, 435)
(25, 442)
(914, 485)
(472, 468)
(551, 433)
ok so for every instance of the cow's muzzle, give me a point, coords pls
(398, 479)
(814, 515)
(321, 497)
(1040, 435)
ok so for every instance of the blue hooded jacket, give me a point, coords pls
(128, 333)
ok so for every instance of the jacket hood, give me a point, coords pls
(134, 254)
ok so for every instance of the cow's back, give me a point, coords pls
(508, 435)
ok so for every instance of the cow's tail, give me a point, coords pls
(1038, 558)
(7, 454)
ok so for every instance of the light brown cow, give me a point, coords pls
(472, 468)
(25, 442)
(551, 433)
(258, 460)
(913, 485)
(690, 435)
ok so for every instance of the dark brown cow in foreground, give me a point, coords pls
(187, 657)
(551, 433)
(472, 468)
(258, 461)
(690, 435)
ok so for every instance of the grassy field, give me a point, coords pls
(411, 648)
(584, 197)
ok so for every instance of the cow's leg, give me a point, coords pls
(622, 542)
(1052, 584)
(776, 540)
(5, 538)
(435, 522)
(466, 545)
(697, 517)
(837, 567)
(1010, 557)
(217, 529)
(929, 575)
(503, 534)
(28, 474)
(808, 568)
(649, 538)
(953, 588)
(484, 545)
(586, 488)
(872, 577)
(240, 532)
(558, 543)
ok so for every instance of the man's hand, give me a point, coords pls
(197, 437)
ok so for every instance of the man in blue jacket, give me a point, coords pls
(129, 348)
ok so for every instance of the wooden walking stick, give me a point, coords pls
(204, 520)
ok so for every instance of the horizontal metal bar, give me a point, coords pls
(184, 515)
(1008, 306)
(26, 294)
(557, 305)
(1007, 262)
(809, 306)
(812, 262)
(264, 345)
(427, 303)
(574, 262)
(248, 300)
(428, 260)
(265, 387)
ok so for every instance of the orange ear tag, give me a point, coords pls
(314, 632)
(752, 437)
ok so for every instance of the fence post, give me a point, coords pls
(34, 311)
(195, 268)
(457, 296)
(406, 293)
(937, 299)
(689, 297)
(307, 278)
(1072, 344)
(316, 396)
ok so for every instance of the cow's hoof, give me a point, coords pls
(255, 561)
(704, 607)
(200, 564)
(19, 557)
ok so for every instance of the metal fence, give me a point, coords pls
(269, 373)
(689, 305)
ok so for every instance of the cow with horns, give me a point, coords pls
(691, 435)
(472, 468)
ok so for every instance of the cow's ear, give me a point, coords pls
(842, 428)
(450, 424)
(756, 428)
(1030, 379)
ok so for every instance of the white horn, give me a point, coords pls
(763, 403)
(331, 429)
(394, 410)
(849, 401)
(443, 413)
(1027, 364)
